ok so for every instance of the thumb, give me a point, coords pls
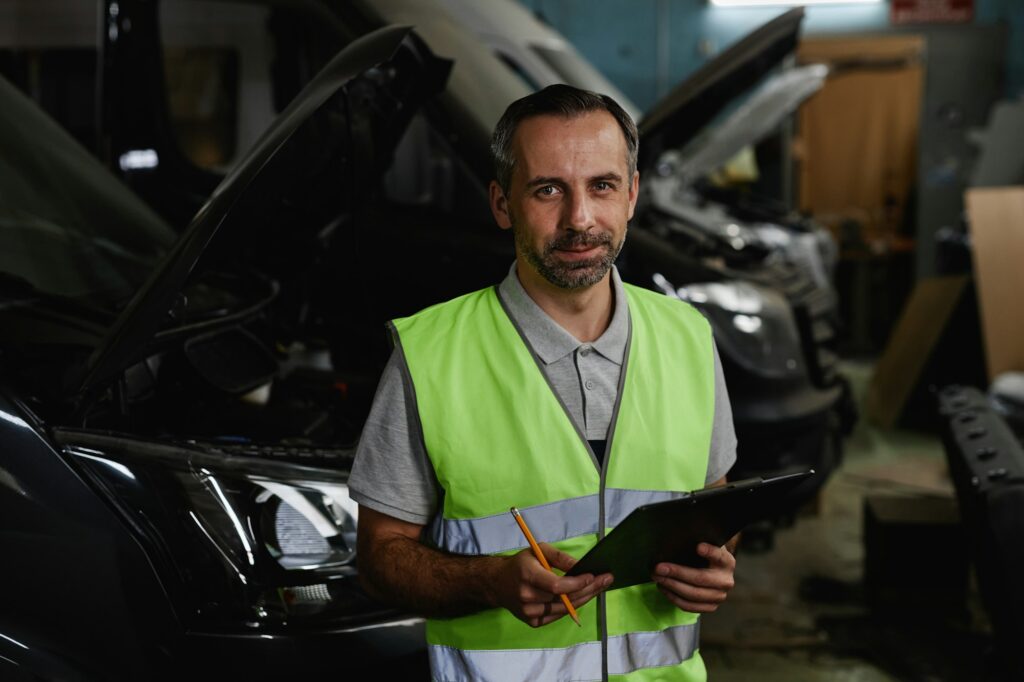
(556, 557)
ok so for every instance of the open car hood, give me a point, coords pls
(761, 114)
(680, 116)
(372, 87)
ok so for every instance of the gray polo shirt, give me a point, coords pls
(392, 473)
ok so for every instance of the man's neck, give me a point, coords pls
(584, 313)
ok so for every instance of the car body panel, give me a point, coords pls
(74, 564)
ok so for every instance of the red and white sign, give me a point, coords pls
(931, 11)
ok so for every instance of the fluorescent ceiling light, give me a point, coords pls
(766, 3)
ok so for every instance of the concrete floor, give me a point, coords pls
(798, 612)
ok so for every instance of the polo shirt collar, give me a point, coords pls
(549, 340)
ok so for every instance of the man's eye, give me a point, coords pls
(603, 186)
(547, 191)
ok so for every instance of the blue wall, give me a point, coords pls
(1011, 14)
(646, 46)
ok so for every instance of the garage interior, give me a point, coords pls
(893, 184)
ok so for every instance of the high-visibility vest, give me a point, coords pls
(498, 436)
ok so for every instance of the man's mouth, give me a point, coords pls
(579, 248)
(580, 252)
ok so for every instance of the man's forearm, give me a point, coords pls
(404, 572)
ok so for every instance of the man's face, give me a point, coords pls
(569, 199)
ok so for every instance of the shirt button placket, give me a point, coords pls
(585, 353)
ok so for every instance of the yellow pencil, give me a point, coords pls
(543, 562)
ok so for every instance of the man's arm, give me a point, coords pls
(700, 590)
(396, 567)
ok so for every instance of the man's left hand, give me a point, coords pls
(698, 590)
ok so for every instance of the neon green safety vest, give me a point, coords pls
(498, 436)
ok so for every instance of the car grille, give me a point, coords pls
(314, 456)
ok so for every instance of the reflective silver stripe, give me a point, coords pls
(626, 653)
(499, 533)
(638, 650)
(550, 522)
(620, 502)
(579, 662)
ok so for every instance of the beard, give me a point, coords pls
(574, 274)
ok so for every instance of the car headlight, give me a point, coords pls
(753, 325)
(243, 542)
(308, 527)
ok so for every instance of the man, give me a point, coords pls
(562, 392)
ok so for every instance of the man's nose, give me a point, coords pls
(578, 211)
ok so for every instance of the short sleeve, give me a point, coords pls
(392, 473)
(722, 454)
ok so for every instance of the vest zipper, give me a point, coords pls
(602, 609)
(602, 466)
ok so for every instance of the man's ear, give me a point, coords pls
(499, 206)
(634, 192)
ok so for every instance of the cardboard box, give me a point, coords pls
(910, 347)
(997, 236)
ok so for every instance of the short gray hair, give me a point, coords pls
(556, 100)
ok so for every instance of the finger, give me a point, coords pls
(529, 594)
(692, 593)
(717, 556)
(533, 575)
(543, 579)
(686, 605)
(599, 585)
(541, 622)
(545, 590)
(715, 578)
(552, 618)
(537, 614)
(542, 609)
(556, 557)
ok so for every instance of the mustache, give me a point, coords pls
(573, 240)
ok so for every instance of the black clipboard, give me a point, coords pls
(670, 531)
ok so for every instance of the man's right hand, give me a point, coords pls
(531, 592)
(396, 568)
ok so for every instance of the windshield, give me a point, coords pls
(68, 228)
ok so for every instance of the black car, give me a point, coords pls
(174, 440)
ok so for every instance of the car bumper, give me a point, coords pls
(393, 649)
